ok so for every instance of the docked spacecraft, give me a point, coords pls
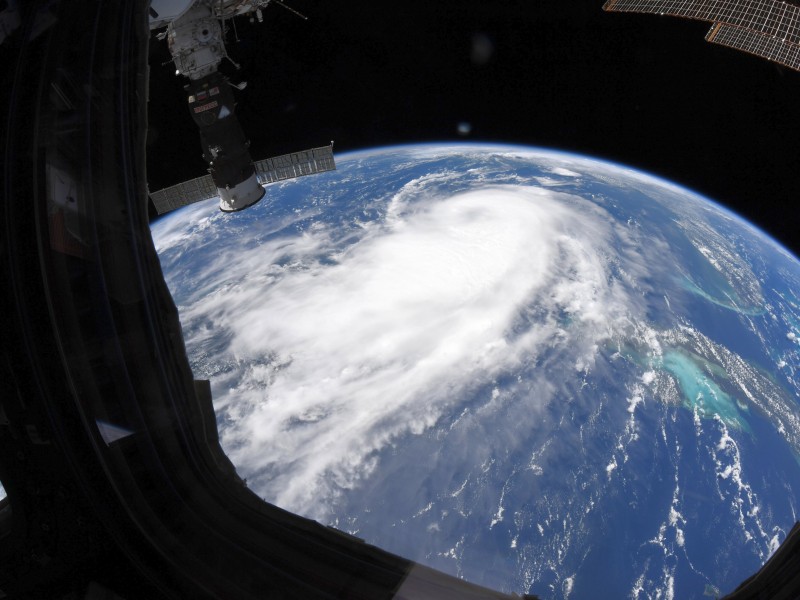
(195, 33)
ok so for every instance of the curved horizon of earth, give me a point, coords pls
(540, 372)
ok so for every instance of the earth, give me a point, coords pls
(537, 371)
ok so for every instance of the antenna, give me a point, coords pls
(291, 10)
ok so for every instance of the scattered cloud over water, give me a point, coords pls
(338, 351)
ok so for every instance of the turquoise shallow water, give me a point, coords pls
(725, 297)
(699, 389)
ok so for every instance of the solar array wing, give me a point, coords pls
(295, 164)
(269, 170)
(771, 48)
(773, 18)
(188, 192)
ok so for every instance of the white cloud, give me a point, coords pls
(334, 353)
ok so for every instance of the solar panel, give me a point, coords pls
(269, 170)
(773, 18)
(295, 164)
(188, 192)
(764, 46)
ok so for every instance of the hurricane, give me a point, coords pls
(523, 367)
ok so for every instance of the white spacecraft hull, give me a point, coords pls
(240, 196)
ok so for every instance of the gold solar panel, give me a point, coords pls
(768, 17)
(766, 28)
(771, 48)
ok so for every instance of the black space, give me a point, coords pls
(642, 90)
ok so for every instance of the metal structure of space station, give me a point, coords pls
(195, 32)
(268, 170)
(768, 29)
